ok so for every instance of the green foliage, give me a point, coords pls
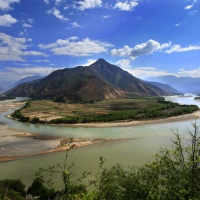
(18, 115)
(158, 111)
(3, 98)
(12, 189)
(71, 190)
(67, 120)
(174, 174)
(35, 120)
(134, 108)
(38, 189)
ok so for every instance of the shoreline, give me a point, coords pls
(179, 118)
(76, 143)
(56, 144)
(185, 117)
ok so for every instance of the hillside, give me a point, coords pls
(166, 88)
(182, 84)
(28, 79)
(99, 81)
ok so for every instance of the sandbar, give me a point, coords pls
(23, 144)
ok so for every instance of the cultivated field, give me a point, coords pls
(109, 110)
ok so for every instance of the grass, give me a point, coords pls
(104, 111)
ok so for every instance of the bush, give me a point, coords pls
(12, 189)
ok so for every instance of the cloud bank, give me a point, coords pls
(7, 20)
(14, 49)
(74, 47)
(146, 48)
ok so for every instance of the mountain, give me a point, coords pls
(182, 84)
(28, 79)
(166, 88)
(2, 90)
(99, 81)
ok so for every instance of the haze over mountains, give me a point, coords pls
(21, 81)
(99, 81)
(28, 79)
(182, 84)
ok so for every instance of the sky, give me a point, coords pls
(143, 37)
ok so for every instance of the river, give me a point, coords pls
(134, 146)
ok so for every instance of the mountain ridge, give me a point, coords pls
(183, 84)
(99, 81)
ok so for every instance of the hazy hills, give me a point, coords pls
(165, 87)
(99, 81)
(28, 79)
(182, 84)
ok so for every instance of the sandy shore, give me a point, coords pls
(185, 117)
(16, 144)
(76, 143)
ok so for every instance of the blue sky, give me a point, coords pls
(144, 37)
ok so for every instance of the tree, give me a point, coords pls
(173, 174)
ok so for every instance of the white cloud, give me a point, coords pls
(14, 49)
(106, 16)
(191, 73)
(143, 72)
(42, 61)
(47, 1)
(28, 23)
(57, 2)
(5, 4)
(11, 75)
(145, 48)
(57, 14)
(124, 63)
(125, 51)
(189, 7)
(126, 5)
(31, 71)
(178, 24)
(178, 48)
(74, 47)
(25, 25)
(89, 62)
(88, 4)
(149, 47)
(7, 20)
(76, 25)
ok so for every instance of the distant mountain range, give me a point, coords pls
(166, 88)
(4, 87)
(182, 84)
(28, 79)
(99, 81)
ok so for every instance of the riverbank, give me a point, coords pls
(180, 118)
(18, 144)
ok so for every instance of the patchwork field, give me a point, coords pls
(104, 111)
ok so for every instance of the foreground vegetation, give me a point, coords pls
(174, 174)
(135, 108)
